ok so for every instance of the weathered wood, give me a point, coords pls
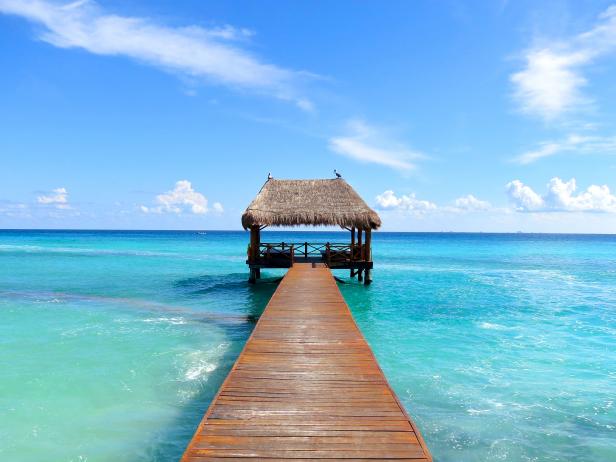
(368, 256)
(360, 256)
(254, 244)
(306, 387)
(352, 248)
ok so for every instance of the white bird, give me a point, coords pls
(337, 174)
(269, 176)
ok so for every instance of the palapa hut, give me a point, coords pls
(328, 202)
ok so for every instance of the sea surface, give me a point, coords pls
(112, 344)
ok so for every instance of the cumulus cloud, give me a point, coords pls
(369, 145)
(183, 198)
(57, 198)
(389, 201)
(572, 143)
(210, 55)
(471, 203)
(551, 82)
(561, 197)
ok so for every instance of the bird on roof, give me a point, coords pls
(337, 174)
(269, 176)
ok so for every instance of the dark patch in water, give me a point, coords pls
(208, 283)
(233, 288)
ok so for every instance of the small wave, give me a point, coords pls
(197, 371)
(202, 363)
(166, 320)
(81, 251)
(492, 326)
(48, 300)
(477, 411)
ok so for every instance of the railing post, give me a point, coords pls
(292, 254)
(306, 249)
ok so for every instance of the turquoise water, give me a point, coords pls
(112, 344)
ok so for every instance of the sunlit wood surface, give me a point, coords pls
(306, 387)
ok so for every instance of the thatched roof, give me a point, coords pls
(309, 202)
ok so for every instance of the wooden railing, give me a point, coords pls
(328, 252)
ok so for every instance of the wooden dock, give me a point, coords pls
(306, 387)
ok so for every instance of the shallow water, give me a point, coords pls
(112, 344)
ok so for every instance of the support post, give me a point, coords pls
(352, 248)
(253, 257)
(254, 244)
(368, 255)
(360, 254)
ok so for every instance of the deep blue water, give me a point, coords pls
(112, 344)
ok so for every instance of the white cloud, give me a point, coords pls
(561, 197)
(217, 207)
(471, 203)
(551, 82)
(57, 198)
(210, 55)
(389, 201)
(572, 143)
(366, 144)
(182, 198)
(523, 197)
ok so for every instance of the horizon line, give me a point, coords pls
(295, 231)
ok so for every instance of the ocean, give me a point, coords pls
(502, 347)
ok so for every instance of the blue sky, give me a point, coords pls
(445, 116)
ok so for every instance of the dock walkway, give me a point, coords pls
(306, 387)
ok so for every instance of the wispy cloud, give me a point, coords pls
(551, 82)
(14, 209)
(210, 55)
(560, 197)
(57, 198)
(572, 143)
(181, 199)
(368, 144)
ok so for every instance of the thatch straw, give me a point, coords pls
(309, 202)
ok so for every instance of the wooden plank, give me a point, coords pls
(306, 387)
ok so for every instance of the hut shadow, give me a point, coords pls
(211, 283)
(170, 443)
